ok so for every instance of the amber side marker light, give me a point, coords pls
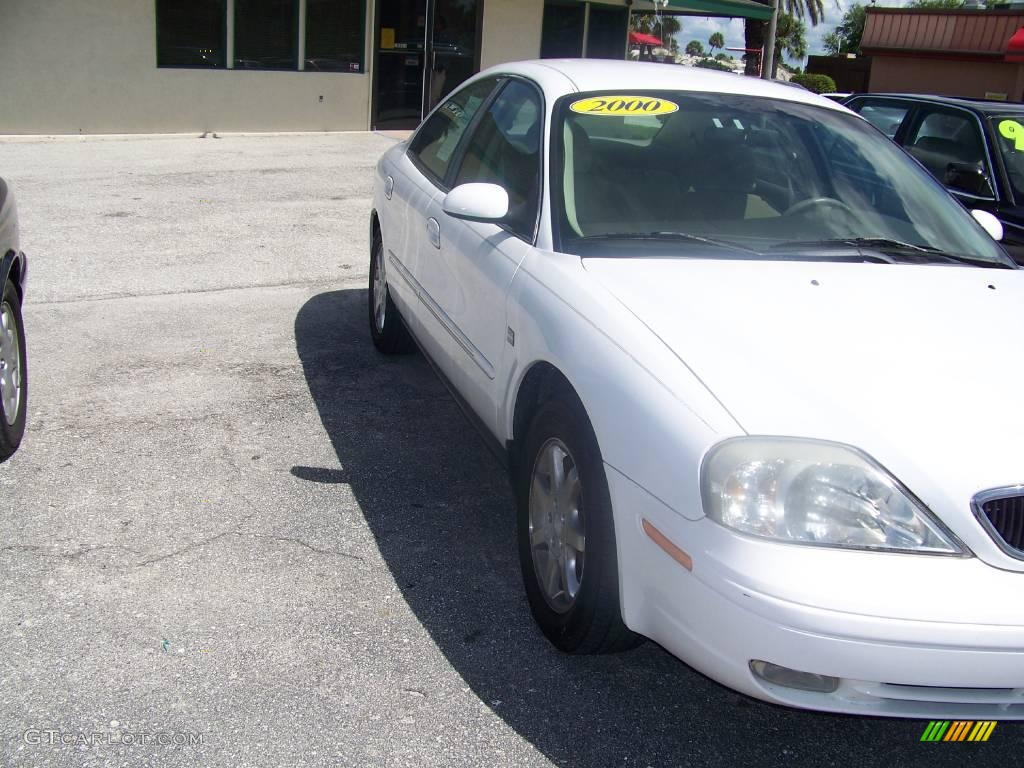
(671, 549)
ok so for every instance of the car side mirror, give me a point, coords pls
(989, 223)
(477, 202)
(969, 178)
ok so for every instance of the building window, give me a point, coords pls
(334, 35)
(562, 35)
(190, 33)
(607, 31)
(266, 34)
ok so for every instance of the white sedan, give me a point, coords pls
(755, 374)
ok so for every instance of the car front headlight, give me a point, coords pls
(811, 492)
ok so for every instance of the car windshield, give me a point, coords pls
(723, 175)
(1009, 131)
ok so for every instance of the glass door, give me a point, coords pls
(401, 42)
(414, 69)
(452, 49)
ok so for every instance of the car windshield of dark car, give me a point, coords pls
(748, 175)
(1009, 131)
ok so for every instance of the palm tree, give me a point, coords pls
(790, 38)
(755, 30)
(717, 40)
(811, 10)
(662, 25)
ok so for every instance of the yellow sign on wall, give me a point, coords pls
(387, 37)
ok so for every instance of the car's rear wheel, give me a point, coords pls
(13, 373)
(566, 532)
(386, 326)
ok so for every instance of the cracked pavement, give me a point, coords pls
(230, 517)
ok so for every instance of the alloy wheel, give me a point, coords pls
(10, 364)
(557, 539)
(380, 291)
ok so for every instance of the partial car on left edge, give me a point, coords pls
(13, 357)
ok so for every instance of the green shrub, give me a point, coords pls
(712, 64)
(816, 83)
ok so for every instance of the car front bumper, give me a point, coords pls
(905, 635)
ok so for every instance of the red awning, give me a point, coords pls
(642, 39)
(1015, 48)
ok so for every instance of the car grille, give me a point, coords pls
(1005, 515)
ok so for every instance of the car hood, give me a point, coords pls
(919, 366)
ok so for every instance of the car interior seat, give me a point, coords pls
(725, 176)
(936, 153)
(597, 199)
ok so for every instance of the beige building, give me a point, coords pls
(167, 66)
(974, 53)
(136, 66)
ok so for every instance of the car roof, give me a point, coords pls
(987, 106)
(561, 76)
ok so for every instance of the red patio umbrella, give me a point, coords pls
(642, 39)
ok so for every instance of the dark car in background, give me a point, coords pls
(975, 148)
(13, 359)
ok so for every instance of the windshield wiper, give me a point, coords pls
(889, 246)
(685, 236)
(855, 242)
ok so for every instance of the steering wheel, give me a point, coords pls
(819, 202)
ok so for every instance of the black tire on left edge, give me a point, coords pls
(11, 433)
(387, 329)
(592, 621)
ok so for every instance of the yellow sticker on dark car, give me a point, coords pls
(1014, 131)
(624, 105)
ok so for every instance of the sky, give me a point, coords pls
(696, 28)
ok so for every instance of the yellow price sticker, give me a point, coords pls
(1014, 131)
(624, 105)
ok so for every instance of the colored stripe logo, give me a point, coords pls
(959, 730)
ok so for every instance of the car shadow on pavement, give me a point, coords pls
(442, 514)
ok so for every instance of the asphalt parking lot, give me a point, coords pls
(232, 524)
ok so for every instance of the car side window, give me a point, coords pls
(1013, 158)
(885, 116)
(944, 136)
(504, 149)
(434, 144)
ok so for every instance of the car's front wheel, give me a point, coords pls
(13, 373)
(566, 533)
(387, 330)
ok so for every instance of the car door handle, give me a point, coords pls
(434, 232)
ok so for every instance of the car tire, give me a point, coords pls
(387, 328)
(566, 532)
(13, 373)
